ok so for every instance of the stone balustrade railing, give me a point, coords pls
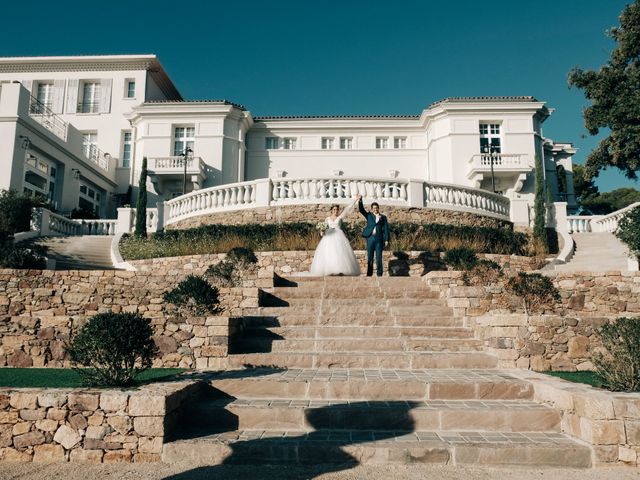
(175, 163)
(296, 191)
(598, 223)
(499, 160)
(53, 224)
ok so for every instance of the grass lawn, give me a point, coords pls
(68, 378)
(590, 378)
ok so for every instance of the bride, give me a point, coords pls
(334, 255)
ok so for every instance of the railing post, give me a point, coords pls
(415, 197)
(162, 217)
(123, 225)
(263, 192)
(45, 220)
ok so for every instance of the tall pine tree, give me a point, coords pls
(539, 227)
(141, 204)
(614, 93)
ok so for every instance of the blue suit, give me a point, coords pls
(375, 240)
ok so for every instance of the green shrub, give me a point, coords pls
(461, 258)
(485, 272)
(18, 256)
(16, 211)
(304, 236)
(534, 289)
(228, 273)
(195, 293)
(629, 230)
(620, 366)
(539, 224)
(112, 348)
(242, 255)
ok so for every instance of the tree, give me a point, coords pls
(583, 187)
(608, 202)
(141, 204)
(539, 228)
(614, 93)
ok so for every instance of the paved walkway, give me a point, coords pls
(32, 471)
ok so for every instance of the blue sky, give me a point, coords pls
(284, 57)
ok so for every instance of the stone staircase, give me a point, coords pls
(88, 252)
(596, 252)
(366, 370)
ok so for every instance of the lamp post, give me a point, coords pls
(187, 156)
(491, 153)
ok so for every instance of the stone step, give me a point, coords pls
(376, 447)
(441, 415)
(255, 344)
(271, 317)
(405, 360)
(352, 331)
(370, 384)
(349, 302)
(343, 292)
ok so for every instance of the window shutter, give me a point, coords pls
(28, 84)
(58, 96)
(105, 95)
(72, 96)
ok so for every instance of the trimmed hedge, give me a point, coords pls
(290, 236)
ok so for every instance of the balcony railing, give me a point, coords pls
(501, 162)
(175, 164)
(95, 155)
(88, 107)
(42, 114)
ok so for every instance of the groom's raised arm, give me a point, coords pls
(361, 208)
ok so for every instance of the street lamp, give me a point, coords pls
(187, 156)
(491, 153)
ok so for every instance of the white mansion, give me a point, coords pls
(76, 129)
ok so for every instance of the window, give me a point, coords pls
(327, 143)
(183, 138)
(39, 177)
(44, 94)
(346, 143)
(89, 198)
(490, 138)
(382, 142)
(90, 145)
(271, 143)
(289, 143)
(131, 89)
(90, 98)
(399, 142)
(126, 149)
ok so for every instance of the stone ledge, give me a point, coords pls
(608, 421)
(90, 425)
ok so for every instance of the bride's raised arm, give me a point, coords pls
(347, 210)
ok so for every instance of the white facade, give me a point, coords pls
(93, 119)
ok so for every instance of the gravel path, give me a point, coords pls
(68, 471)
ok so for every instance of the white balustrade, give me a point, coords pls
(609, 223)
(505, 161)
(319, 190)
(53, 224)
(297, 191)
(454, 197)
(210, 200)
(97, 227)
(175, 164)
(598, 223)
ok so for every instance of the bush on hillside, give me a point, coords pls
(112, 348)
(229, 272)
(620, 365)
(196, 294)
(485, 272)
(629, 230)
(461, 258)
(534, 290)
(304, 236)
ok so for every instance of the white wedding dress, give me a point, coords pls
(334, 255)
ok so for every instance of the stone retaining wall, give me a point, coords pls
(412, 263)
(564, 337)
(40, 310)
(609, 421)
(318, 212)
(58, 425)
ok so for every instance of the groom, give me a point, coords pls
(376, 233)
